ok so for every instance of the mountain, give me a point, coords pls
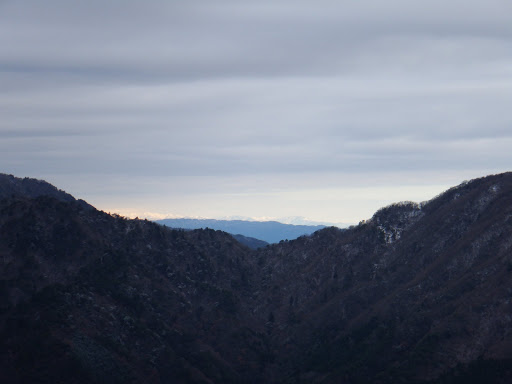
(420, 293)
(90, 298)
(268, 231)
(416, 294)
(250, 242)
(11, 186)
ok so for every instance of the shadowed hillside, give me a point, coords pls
(416, 294)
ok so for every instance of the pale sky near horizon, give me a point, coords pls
(327, 110)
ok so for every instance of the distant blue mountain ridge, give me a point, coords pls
(269, 231)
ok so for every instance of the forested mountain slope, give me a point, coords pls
(418, 293)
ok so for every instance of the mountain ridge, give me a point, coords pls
(419, 293)
(268, 231)
(11, 186)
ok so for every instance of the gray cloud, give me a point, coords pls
(202, 39)
(280, 92)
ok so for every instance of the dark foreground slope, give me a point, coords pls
(87, 297)
(416, 294)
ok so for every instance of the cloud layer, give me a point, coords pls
(202, 101)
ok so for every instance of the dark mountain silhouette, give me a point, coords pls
(251, 242)
(11, 186)
(420, 293)
(268, 231)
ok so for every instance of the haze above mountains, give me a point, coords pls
(419, 293)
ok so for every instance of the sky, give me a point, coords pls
(324, 110)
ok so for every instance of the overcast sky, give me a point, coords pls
(265, 109)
